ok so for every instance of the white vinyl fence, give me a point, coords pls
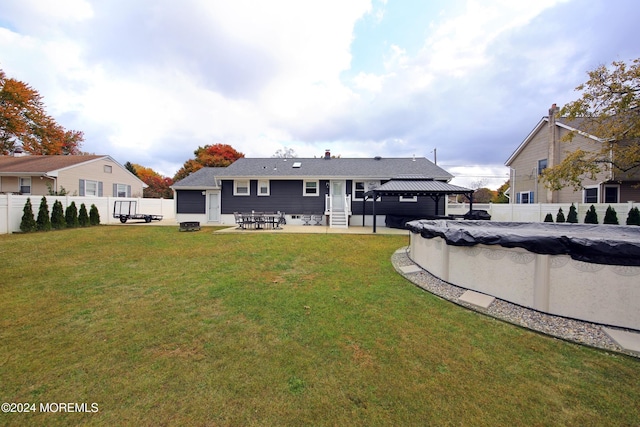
(536, 212)
(12, 206)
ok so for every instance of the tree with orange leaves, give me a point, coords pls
(158, 186)
(216, 155)
(24, 121)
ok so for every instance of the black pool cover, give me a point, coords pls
(598, 244)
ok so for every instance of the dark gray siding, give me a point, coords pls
(424, 207)
(190, 202)
(285, 196)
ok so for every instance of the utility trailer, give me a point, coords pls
(127, 209)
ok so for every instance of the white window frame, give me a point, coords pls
(522, 194)
(266, 184)
(86, 188)
(405, 199)
(107, 169)
(121, 188)
(584, 193)
(236, 186)
(306, 193)
(366, 186)
(20, 184)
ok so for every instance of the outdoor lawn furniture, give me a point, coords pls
(317, 219)
(306, 218)
(281, 220)
(260, 220)
(190, 226)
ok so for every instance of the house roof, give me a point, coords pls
(41, 165)
(334, 168)
(201, 179)
(574, 125)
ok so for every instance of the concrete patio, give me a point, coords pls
(317, 229)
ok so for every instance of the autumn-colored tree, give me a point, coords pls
(610, 110)
(158, 185)
(216, 155)
(23, 121)
(500, 196)
(483, 195)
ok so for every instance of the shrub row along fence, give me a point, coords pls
(59, 218)
(12, 208)
(537, 212)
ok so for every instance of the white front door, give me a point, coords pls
(213, 207)
(337, 195)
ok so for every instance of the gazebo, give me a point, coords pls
(415, 185)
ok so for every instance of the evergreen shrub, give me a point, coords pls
(57, 216)
(560, 216)
(633, 217)
(94, 215)
(572, 218)
(592, 216)
(71, 215)
(28, 223)
(43, 223)
(83, 216)
(610, 217)
(548, 218)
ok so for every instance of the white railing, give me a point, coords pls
(328, 203)
(12, 208)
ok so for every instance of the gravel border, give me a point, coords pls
(575, 331)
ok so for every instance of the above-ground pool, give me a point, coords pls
(586, 272)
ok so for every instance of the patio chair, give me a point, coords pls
(317, 219)
(281, 220)
(239, 219)
(306, 218)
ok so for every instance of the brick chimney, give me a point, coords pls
(553, 156)
(327, 154)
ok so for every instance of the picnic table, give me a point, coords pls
(259, 220)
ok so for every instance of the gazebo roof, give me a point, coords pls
(416, 185)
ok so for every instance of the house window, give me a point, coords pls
(526, 197)
(25, 185)
(611, 194)
(121, 190)
(310, 188)
(408, 198)
(359, 190)
(542, 165)
(107, 169)
(361, 187)
(90, 188)
(263, 188)
(591, 195)
(241, 188)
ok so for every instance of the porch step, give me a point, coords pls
(338, 220)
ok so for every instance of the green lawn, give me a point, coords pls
(160, 327)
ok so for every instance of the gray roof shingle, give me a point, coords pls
(321, 168)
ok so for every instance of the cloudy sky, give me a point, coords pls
(148, 81)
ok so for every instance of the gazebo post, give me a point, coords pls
(375, 196)
(364, 209)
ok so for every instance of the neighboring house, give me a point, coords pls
(330, 187)
(543, 148)
(90, 175)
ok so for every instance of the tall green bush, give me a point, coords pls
(71, 215)
(83, 216)
(57, 216)
(560, 216)
(94, 215)
(592, 216)
(548, 218)
(633, 218)
(28, 223)
(43, 223)
(572, 218)
(610, 217)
